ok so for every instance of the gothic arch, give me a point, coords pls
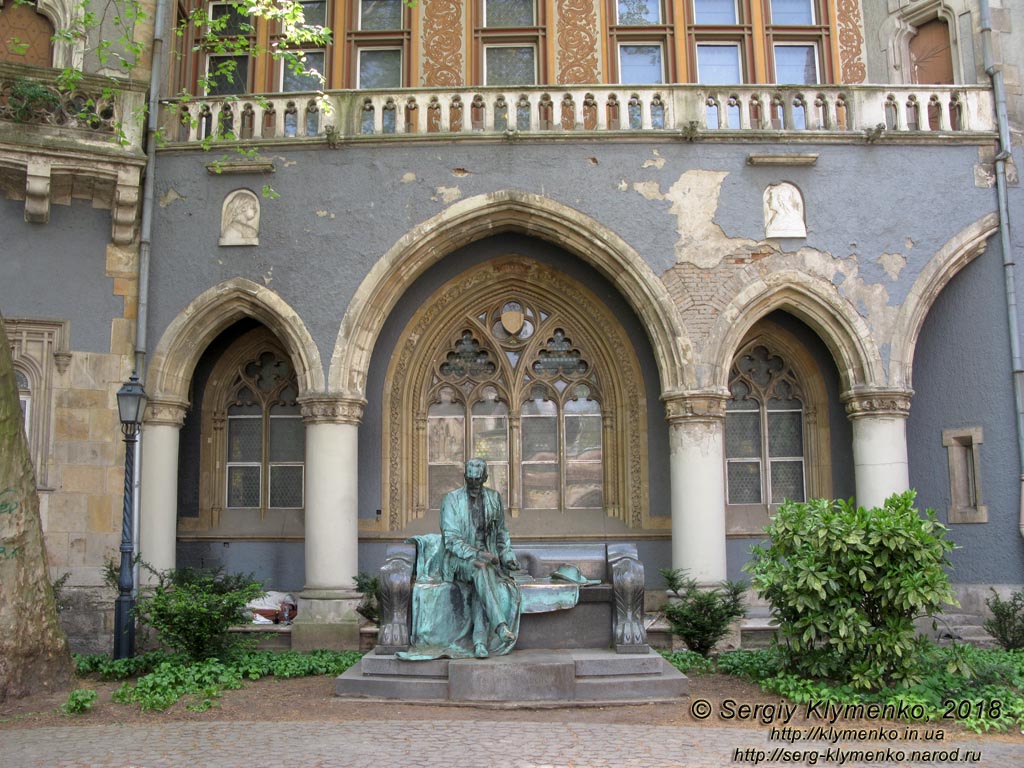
(198, 324)
(815, 302)
(957, 253)
(508, 211)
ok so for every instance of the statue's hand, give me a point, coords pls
(510, 563)
(484, 558)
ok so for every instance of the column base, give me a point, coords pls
(327, 619)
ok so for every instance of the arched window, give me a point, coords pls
(764, 431)
(529, 372)
(25, 399)
(253, 445)
(25, 34)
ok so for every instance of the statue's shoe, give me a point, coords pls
(480, 651)
(505, 633)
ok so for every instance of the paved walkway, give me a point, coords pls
(478, 743)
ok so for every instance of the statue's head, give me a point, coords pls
(476, 474)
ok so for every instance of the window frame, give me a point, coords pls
(206, 55)
(664, 57)
(798, 44)
(357, 40)
(661, 34)
(485, 37)
(493, 46)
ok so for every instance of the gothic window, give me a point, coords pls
(510, 37)
(764, 431)
(25, 400)
(25, 34)
(503, 371)
(265, 437)
(532, 374)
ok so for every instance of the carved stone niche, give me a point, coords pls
(240, 219)
(784, 211)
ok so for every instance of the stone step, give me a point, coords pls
(353, 683)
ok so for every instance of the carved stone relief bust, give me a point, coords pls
(240, 219)
(784, 211)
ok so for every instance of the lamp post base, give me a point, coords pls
(124, 627)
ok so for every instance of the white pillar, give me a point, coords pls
(880, 464)
(697, 466)
(158, 486)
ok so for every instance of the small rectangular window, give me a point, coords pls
(639, 13)
(509, 13)
(510, 65)
(641, 64)
(796, 63)
(719, 64)
(314, 13)
(227, 75)
(963, 453)
(792, 12)
(380, 15)
(308, 75)
(227, 20)
(380, 68)
(715, 12)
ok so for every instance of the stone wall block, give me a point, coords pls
(72, 424)
(101, 514)
(104, 425)
(122, 261)
(84, 479)
(122, 336)
(67, 512)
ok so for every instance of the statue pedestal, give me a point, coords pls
(590, 675)
(327, 618)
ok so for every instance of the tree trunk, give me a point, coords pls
(34, 653)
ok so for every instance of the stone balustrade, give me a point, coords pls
(831, 112)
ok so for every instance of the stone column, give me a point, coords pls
(879, 419)
(158, 489)
(327, 617)
(697, 466)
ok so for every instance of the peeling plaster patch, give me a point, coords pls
(909, 244)
(286, 162)
(447, 195)
(460, 173)
(871, 300)
(592, 160)
(269, 276)
(408, 178)
(658, 162)
(694, 199)
(893, 264)
(171, 196)
(649, 189)
(325, 214)
(623, 185)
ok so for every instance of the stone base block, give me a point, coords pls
(523, 676)
(332, 637)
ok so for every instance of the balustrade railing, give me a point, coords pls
(536, 111)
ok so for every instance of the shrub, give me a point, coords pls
(369, 606)
(702, 616)
(1007, 622)
(79, 701)
(192, 610)
(846, 583)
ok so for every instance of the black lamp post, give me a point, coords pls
(131, 404)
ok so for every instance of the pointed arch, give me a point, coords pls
(508, 211)
(198, 324)
(957, 253)
(818, 304)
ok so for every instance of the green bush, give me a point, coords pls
(702, 616)
(192, 610)
(79, 701)
(1007, 622)
(846, 583)
(369, 606)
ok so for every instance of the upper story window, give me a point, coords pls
(641, 42)
(509, 35)
(307, 71)
(379, 44)
(25, 400)
(25, 34)
(227, 44)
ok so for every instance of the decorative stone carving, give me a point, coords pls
(395, 598)
(166, 413)
(784, 211)
(696, 406)
(126, 205)
(577, 37)
(442, 43)
(628, 586)
(851, 42)
(240, 219)
(878, 402)
(37, 193)
(328, 409)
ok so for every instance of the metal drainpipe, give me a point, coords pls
(999, 93)
(146, 225)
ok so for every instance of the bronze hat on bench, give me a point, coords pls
(572, 574)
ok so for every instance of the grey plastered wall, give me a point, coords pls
(58, 270)
(961, 382)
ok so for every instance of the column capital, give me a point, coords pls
(707, 405)
(881, 401)
(332, 409)
(168, 413)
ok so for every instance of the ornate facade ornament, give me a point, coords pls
(240, 219)
(784, 211)
(878, 402)
(695, 406)
(442, 43)
(851, 42)
(576, 32)
(37, 193)
(125, 205)
(332, 409)
(396, 598)
(628, 586)
(168, 413)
